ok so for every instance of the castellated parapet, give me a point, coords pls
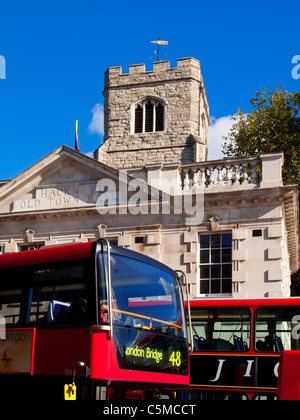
(159, 116)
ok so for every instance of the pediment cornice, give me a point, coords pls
(63, 179)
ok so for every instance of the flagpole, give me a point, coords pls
(77, 147)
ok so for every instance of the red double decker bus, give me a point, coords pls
(90, 321)
(237, 345)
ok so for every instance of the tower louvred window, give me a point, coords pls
(138, 119)
(149, 117)
(160, 116)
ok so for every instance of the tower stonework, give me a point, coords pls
(155, 117)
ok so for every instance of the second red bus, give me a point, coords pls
(237, 345)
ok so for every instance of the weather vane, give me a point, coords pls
(159, 42)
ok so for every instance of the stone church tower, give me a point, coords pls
(159, 116)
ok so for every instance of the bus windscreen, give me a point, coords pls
(148, 318)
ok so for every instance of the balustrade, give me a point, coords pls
(226, 174)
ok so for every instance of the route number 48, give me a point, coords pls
(175, 358)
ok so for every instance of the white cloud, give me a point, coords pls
(219, 127)
(96, 126)
(90, 155)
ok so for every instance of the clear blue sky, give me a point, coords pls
(57, 51)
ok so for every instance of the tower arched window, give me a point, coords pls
(149, 116)
(138, 128)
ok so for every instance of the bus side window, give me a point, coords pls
(12, 295)
(53, 305)
(273, 329)
(10, 304)
(74, 313)
(221, 329)
(58, 295)
(55, 309)
(38, 306)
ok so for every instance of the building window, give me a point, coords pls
(149, 117)
(30, 247)
(216, 264)
(139, 119)
(149, 126)
(160, 117)
(140, 240)
(257, 233)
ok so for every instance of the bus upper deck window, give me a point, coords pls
(11, 295)
(221, 329)
(58, 295)
(273, 329)
(10, 304)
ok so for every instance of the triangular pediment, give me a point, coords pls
(64, 179)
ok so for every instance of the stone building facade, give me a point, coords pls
(230, 225)
(172, 107)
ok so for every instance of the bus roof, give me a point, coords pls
(46, 255)
(69, 252)
(214, 303)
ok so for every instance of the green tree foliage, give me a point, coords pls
(272, 126)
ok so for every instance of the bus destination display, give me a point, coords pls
(145, 354)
